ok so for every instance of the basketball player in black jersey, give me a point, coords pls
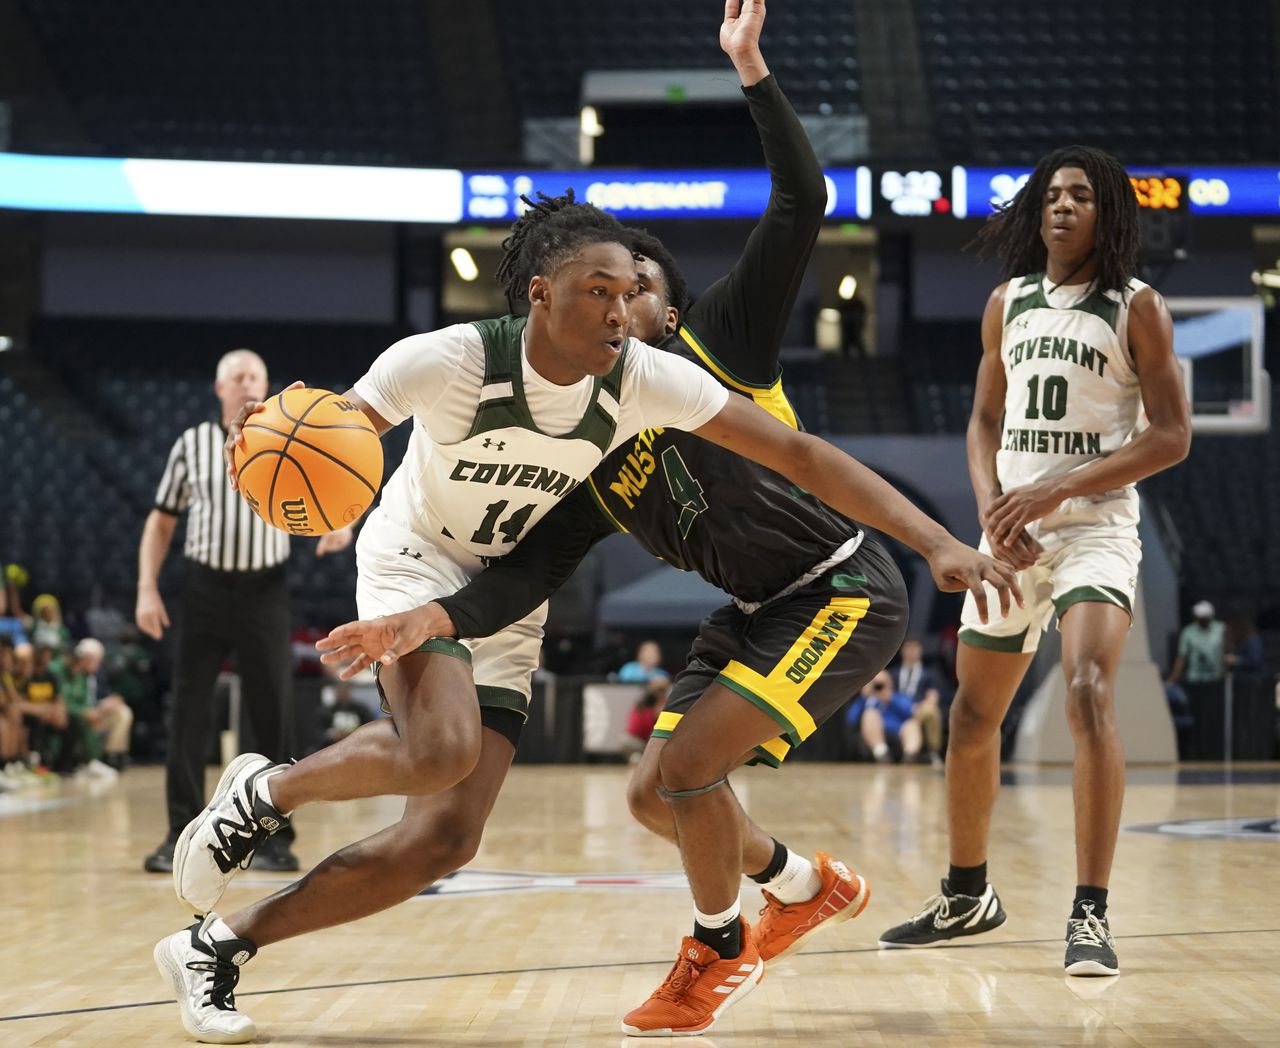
(819, 609)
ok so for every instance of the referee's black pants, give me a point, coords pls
(225, 612)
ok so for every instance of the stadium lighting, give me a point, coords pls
(464, 263)
(848, 287)
(590, 122)
(6, 343)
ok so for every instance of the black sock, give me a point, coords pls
(967, 880)
(1088, 893)
(726, 941)
(774, 868)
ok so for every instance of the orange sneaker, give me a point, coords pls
(783, 928)
(698, 988)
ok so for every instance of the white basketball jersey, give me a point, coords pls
(1072, 394)
(485, 491)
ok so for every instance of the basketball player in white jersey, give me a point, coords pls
(1074, 348)
(509, 416)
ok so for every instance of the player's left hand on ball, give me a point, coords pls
(1009, 513)
(235, 432)
(383, 640)
(958, 567)
(334, 541)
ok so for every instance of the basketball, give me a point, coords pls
(311, 462)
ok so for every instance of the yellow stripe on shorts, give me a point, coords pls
(776, 748)
(812, 653)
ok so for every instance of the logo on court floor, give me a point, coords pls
(495, 882)
(1255, 828)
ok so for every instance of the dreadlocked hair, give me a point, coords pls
(1012, 234)
(548, 235)
(645, 243)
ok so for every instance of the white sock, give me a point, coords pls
(263, 789)
(879, 750)
(799, 880)
(721, 919)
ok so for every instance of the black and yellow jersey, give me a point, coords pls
(700, 507)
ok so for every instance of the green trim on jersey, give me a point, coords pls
(1092, 595)
(503, 699)
(1095, 302)
(502, 365)
(1012, 644)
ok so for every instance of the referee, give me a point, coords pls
(233, 600)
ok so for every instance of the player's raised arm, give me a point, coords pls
(743, 315)
(856, 491)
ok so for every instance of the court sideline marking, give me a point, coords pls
(582, 967)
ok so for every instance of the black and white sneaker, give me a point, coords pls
(201, 964)
(947, 917)
(222, 838)
(1090, 948)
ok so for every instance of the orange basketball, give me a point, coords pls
(311, 462)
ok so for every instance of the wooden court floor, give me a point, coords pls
(503, 959)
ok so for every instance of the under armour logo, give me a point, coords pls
(406, 552)
(490, 443)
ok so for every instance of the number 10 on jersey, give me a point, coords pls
(1054, 404)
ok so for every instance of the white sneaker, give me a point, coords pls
(201, 964)
(96, 769)
(222, 838)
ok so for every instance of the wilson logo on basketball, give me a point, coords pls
(352, 512)
(296, 519)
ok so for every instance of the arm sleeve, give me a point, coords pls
(541, 563)
(671, 391)
(741, 318)
(410, 377)
(174, 492)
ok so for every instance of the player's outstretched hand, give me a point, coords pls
(235, 433)
(1009, 513)
(385, 639)
(740, 31)
(957, 567)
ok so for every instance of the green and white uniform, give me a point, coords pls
(494, 447)
(1072, 398)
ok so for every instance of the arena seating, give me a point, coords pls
(1154, 85)
(191, 82)
(548, 47)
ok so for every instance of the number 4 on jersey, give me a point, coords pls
(510, 528)
(686, 491)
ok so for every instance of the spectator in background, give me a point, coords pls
(1247, 657)
(11, 626)
(44, 714)
(881, 715)
(644, 715)
(13, 737)
(920, 685)
(645, 666)
(1201, 657)
(109, 715)
(77, 685)
(47, 628)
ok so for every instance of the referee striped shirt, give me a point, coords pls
(222, 531)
